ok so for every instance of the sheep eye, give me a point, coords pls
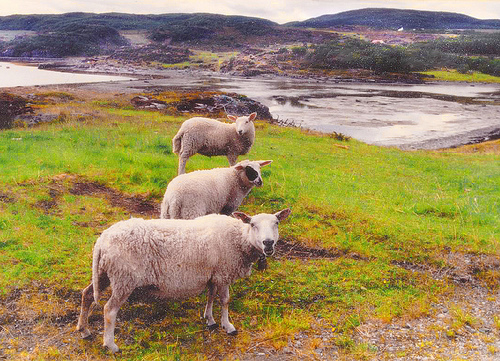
(251, 173)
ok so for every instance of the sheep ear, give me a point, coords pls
(239, 167)
(264, 162)
(242, 216)
(232, 117)
(252, 116)
(283, 214)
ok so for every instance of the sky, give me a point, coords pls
(280, 11)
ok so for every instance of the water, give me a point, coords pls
(12, 75)
(384, 114)
(428, 116)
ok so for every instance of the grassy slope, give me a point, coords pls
(371, 207)
(453, 75)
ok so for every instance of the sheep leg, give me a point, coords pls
(110, 311)
(87, 299)
(232, 158)
(224, 300)
(182, 164)
(212, 290)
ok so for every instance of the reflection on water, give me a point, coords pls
(384, 114)
(12, 75)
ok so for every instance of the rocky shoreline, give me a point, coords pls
(147, 78)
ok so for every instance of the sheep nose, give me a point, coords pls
(240, 132)
(268, 243)
(258, 182)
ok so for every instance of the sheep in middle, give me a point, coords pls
(218, 190)
(210, 137)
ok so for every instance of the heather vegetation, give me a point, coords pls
(473, 52)
(69, 40)
(173, 36)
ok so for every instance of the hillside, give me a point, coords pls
(395, 19)
(121, 21)
(88, 34)
(102, 32)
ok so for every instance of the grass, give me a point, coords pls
(371, 208)
(453, 75)
(203, 59)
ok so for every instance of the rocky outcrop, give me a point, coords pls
(209, 104)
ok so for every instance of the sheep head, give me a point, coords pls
(244, 125)
(264, 229)
(251, 170)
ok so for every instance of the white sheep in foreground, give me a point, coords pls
(210, 137)
(176, 259)
(218, 190)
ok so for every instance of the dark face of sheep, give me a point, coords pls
(264, 229)
(252, 171)
(253, 175)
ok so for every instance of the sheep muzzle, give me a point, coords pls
(268, 247)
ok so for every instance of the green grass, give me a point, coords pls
(373, 207)
(453, 75)
(203, 58)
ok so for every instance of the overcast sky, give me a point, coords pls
(280, 11)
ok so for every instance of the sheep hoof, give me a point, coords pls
(233, 333)
(85, 333)
(113, 348)
(213, 326)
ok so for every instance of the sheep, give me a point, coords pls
(176, 259)
(210, 137)
(218, 190)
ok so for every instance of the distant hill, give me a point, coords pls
(81, 34)
(395, 19)
(121, 21)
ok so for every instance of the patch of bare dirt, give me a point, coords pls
(35, 320)
(77, 185)
(461, 268)
(6, 198)
(290, 249)
(461, 327)
(135, 204)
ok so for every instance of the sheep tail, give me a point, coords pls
(164, 214)
(95, 274)
(176, 143)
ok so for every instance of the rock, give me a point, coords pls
(234, 104)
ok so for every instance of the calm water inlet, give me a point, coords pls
(423, 116)
(13, 75)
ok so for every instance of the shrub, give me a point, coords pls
(299, 50)
(10, 106)
(355, 53)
